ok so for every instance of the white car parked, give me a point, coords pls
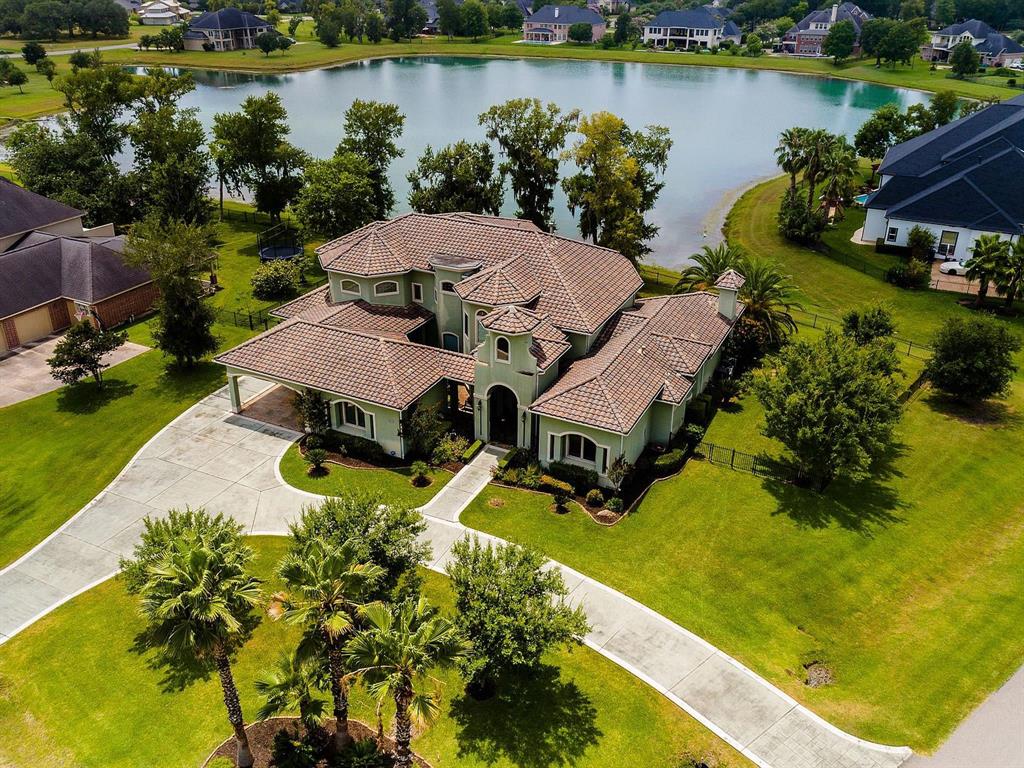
(952, 268)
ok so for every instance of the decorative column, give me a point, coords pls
(233, 394)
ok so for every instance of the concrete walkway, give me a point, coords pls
(209, 456)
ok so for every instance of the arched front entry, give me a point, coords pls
(502, 415)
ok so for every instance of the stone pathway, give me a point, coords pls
(209, 456)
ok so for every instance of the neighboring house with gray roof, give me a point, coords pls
(704, 27)
(806, 37)
(537, 340)
(959, 181)
(994, 48)
(22, 212)
(228, 29)
(46, 280)
(551, 24)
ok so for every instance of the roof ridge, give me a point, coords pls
(960, 175)
(557, 269)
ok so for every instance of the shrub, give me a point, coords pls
(449, 448)
(866, 324)
(312, 410)
(314, 441)
(620, 470)
(579, 478)
(473, 450)
(913, 275)
(357, 447)
(275, 280)
(614, 504)
(796, 222)
(424, 429)
(530, 476)
(1002, 72)
(362, 754)
(973, 359)
(420, 474)
(1012, 82)
(608, 41)
(694, 434)
(553, 485)
(595, 498)
(921, 243)
(316, 457)
(671, 46)
(669, 462)
(292, 751)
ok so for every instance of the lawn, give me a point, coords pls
(395, 484)
(74, 693)
(86, 437)
(907, 586)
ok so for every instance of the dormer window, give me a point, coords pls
(349, 286)
(501, 350)
(385, 288)
(447, 286)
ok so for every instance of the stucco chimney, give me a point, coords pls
(835, 12)
(728, 286)
(556, 11)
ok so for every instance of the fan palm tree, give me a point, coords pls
(197, 599)
(988, 261)
(395, 654)
(817, 145)
(291, 686)
(326, 587)
(789, 153)
(838, 169)
(767, 296)
(1010, 283)
(710, 264)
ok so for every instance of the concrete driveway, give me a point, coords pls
(25, 374)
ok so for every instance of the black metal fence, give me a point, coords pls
(753, 464)
(907, 347)
(254, 320)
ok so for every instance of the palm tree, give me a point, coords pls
(197, 599)
(711, 263)
(395, 654)
(767, 296)
(789, 154)
(988, 261)
(1010, 283)
(817, 145)
(327, 585)
(839, 169)
(290, 687)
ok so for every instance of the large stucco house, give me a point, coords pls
(538, 339)
(693, 28)
(163, 13)
(960, 181)
(551, 23)
(994, 48)
(227, 29)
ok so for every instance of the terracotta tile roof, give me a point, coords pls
(511, 319)
(730, 280)
(389, 372)
(580, 285)
(512, 282)
(356, 315)
(549, 344)
(646, 354)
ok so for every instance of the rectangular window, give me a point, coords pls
(947, 243)
(417, 292)
(465, 323)
(890, 236)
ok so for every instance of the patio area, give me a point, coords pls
(275, 406)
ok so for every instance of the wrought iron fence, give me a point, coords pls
(246, 318)
(907, 347)
(761, 466)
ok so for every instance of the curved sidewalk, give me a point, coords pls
(209, 456)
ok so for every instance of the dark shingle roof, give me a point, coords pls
(845, 12)
(22, 210)
(694, 18)
(228, 18)
(46, 267)
(996, 43)
(567, 14)
(975, 27)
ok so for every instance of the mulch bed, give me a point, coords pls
(261, 741)
(387, 463)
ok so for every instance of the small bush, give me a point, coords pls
(694, 434)
(913, 275)
(530, 477)
(291, 751)
(449, 448)
(420, 474)
(275, 280)
(1002, 72)
(1012, 82)
(554, 486)
(316, 457)
(614, 504)
(424, 429)
(595, 498)
(356, 447)
(362, 754)
(669, 462)
(581, 479)
(921, 243)
(473, 450)
(314, 441)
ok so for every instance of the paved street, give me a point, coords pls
(228, 463)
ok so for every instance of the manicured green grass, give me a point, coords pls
(74, 693)
(395, 484)
(906, 585)
(82, 42)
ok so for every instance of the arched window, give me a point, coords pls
(501, 349)
(450, 341)
(580, 448)
(349, 286)
(480, 330)
(352, 415)
(385, 288)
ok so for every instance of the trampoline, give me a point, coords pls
(279, 243)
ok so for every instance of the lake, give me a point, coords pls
(724, 122)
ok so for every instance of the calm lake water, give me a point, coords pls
(724, 122)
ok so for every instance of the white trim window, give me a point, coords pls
(579, 449)
(351, 415)
(417, 292)
(447, 286)
(502, 350)
(891, 234)
(947, 243)
(385, 288)
(350, 286)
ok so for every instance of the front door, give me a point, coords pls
(503, 415)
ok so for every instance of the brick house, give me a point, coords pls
(806, 37)
(551, 23)
(538, 340)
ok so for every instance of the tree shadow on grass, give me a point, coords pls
(989, 413)
(191, 383)
(87, 397)
(535, 720)
(863, 506)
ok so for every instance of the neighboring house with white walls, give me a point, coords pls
(551, 23)
(994, 48)
(704, 27)
(163, 13)
(960, 181)
(538, 340)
